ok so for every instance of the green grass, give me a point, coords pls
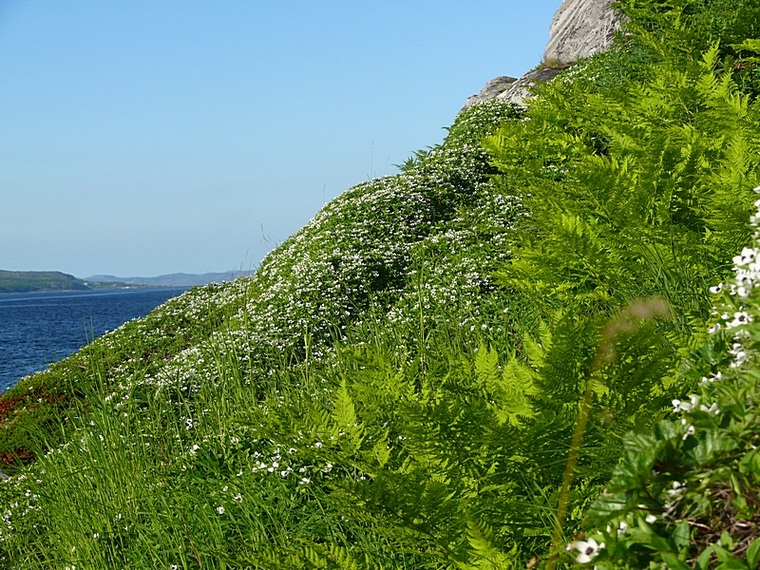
(400, 384)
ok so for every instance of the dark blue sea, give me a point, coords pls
(37, 329)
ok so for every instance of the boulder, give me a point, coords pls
(522, 89)
(580, 29)
(491, 90)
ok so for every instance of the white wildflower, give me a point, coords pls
(587, 549)
(740, 318)
(676, 488)
(712, 409)
(747, 256)
(681, 406)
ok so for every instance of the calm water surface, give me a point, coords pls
(37, 329)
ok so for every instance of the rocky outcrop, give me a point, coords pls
(522, 89)
(491, 90)
(580, 29)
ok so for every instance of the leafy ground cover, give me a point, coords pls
(470, 364)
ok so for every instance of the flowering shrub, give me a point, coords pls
(686, 496)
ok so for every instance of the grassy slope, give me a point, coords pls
(371, 397)
(365, 263)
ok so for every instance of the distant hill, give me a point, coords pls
(34, 281)
(170, 280)
(29, 281)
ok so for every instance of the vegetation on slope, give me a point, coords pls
(401, 384)
(28, 281)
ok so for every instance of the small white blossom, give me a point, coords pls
(676, 488)
(740, 318)
(587, 549)
(712, 409)
(739, 354)
(681, 406)
(747, 256)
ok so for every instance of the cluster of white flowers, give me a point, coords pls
(733, 317)
(425, 239)
(746, 277)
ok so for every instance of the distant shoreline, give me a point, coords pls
(45, 281)
(92, 288)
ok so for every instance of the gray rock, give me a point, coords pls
(522, 89)
(580, 29)
(491, 90)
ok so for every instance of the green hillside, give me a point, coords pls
(514, 353)
(29, 281)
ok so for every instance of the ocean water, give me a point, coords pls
(37, 329)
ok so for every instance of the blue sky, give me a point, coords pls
(147, 137)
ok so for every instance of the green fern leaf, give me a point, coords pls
(487, 368)
(486, 554)
(344, 413)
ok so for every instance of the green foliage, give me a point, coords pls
(611, 219)
(686, 495)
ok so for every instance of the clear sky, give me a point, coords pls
(143, 137)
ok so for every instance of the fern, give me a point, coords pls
(345, 418)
